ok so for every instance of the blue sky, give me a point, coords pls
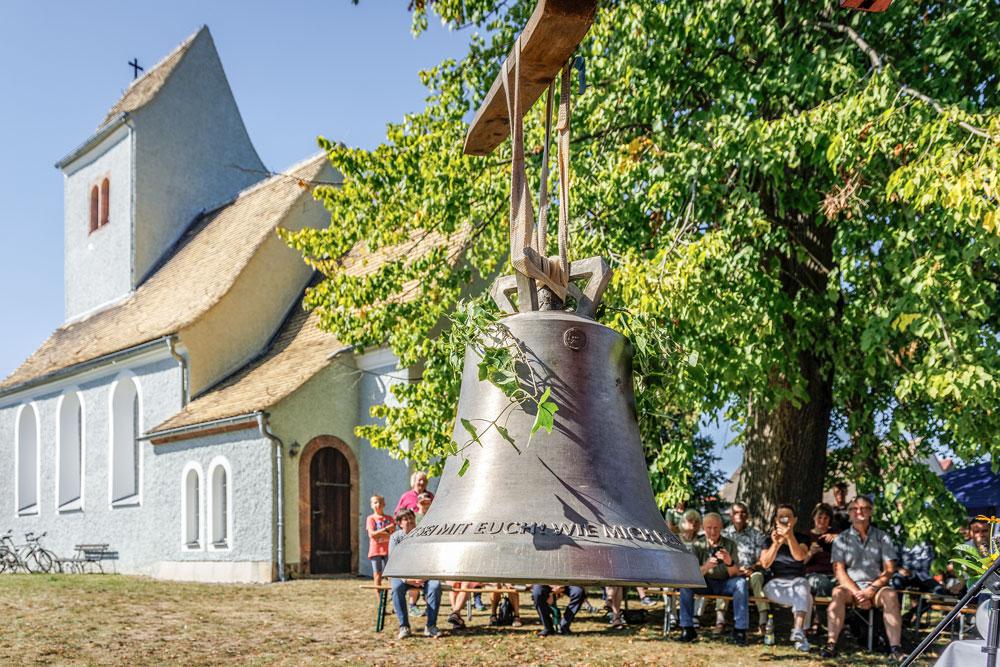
(298, 69)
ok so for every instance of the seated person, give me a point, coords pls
(914, 570)
(432, 589)
(749, 543)
(720, 566)
(540, 596)
(515, 602)
(864, 560)
(690, 529)
(819, 569)
(784, 554)
(458, 599)
(614, 595)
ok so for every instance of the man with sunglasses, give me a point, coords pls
(864, 560)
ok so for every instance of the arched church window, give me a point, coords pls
(105, 201)
(219, 503)
(125, 429)
(69, 470)
(191, 506)
(27, 461)
(94, 208)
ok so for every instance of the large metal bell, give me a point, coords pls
(574, 506)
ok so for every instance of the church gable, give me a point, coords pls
(173, 145)
(199, 272)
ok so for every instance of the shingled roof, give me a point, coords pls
(145, 88)
(299, 350)
(200, 270)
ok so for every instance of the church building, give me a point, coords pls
(188, 412)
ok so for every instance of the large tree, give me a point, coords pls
(800, 206)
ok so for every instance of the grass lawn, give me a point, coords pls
(109, 619)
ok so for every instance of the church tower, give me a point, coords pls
(173, 146)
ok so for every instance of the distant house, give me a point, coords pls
(188, 412)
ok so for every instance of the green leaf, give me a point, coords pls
(505, 434)
(544, 418)
(467, 425)
(464, 468)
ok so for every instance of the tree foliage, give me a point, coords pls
(772, 182)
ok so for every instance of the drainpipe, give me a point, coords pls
(265, 430)
(182, 360)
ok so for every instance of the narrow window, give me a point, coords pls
(105, 201)
(70, 484)
(27, 461)
(125, 429)
(219, 504)
(94, 197)
(192, 505)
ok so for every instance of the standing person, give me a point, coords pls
(418, 485)
(749, 543)
(784, 554)
(864, 560)
(379, 527)
(819, 569)
(432, 589)
(540, 596)
(841, 514)
(717, 556)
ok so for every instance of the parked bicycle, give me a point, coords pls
(28, 557)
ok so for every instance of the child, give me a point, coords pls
(423, 504)
(380, 526)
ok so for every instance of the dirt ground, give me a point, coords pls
(112, 620)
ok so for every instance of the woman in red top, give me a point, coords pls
(418, 485)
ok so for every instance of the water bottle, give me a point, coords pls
(769, 630)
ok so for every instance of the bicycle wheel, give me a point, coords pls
(39, 561)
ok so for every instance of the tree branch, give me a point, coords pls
(873, 55)
(934, 104)
(877, 63)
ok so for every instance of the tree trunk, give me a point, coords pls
(784, 459)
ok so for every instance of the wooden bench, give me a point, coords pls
(383, 597)
(934, 603)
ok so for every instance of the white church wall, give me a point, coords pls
(97, 265)
(381, 474)
(126, 528)
(192, 152)
(248, 554)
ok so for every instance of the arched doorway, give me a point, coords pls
(328, 507)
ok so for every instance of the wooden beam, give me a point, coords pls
(553, 32)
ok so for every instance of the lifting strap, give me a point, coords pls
(528, 243)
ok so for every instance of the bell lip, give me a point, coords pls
(658, 568)
(583, 581)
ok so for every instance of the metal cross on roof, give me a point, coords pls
(136, 68)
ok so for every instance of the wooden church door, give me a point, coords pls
(330, 486)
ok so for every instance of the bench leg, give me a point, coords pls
(871, 629)
(380, 613)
